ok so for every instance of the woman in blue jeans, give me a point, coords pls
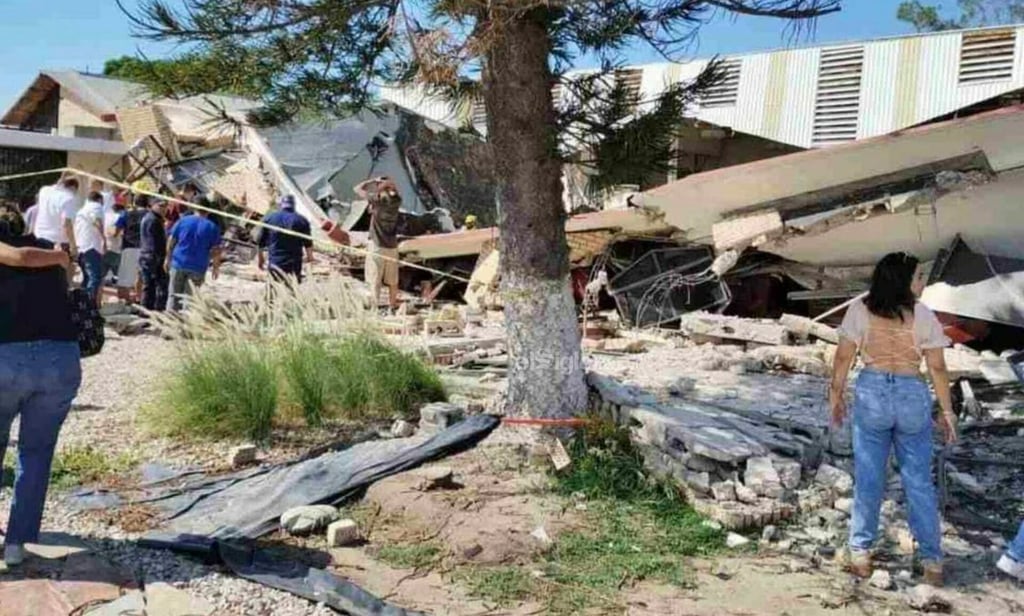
(39, 369)
(892, 409)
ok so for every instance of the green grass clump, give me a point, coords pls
(76, 465)
(372, 378)
(305, 365)
(504, 586)
(219, 390)
(634, 529)
(409, 556)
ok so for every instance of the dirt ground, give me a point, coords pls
(498, 500)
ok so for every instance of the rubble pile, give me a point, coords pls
(735, 414)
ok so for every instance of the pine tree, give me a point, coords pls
(327, 55)
(971, 14)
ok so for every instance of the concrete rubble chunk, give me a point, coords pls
(736, 540)
(435, 478)
(927, 598)
(701, 482)
(789, 471)
(769, 533)
(881, 579)
(437, 416)
(682, 386)
(835, 479)
(242, 455)
(308, 519)
(165, 600)
(724, 491)
(402, 429)
(733, 328)
(745, 494)
(761, 477)
(342, 533)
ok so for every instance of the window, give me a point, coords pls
(837, 107)
(726, 91)
(987, 55)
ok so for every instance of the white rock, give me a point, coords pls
(836, 479)
(843, 504)
(745, 494)
(542, 536)
(881, 579)
(402, 429)
(342, 533)
(769, 533)
(761, 477)
(724, 491)
(308, 519)
(712, 524)
(735, 540)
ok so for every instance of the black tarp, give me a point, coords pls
(218, 518)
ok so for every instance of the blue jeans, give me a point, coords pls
(893, 411)
(38, 381)
(1016, 548)
(91, 262)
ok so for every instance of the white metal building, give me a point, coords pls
(828, 94)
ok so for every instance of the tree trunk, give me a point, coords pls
(546, 372)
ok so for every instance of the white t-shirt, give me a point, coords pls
(56, 204)
(88, 225)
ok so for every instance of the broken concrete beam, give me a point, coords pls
(804, 327)
(734, 328)
(342, 533)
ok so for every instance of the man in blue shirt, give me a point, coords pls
(285, 250)
(193, 246)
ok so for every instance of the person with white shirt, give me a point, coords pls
(92, 243)
(55, 217)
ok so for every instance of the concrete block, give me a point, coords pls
(241, 455)
(342, 533)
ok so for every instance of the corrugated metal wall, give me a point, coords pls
(905, 81)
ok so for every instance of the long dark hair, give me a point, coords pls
(890, 296)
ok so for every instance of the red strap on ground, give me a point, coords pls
(574, 422)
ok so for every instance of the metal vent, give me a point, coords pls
(478, 113)
(987, 56)
(726, 91)
(630, 78)
(837, 108)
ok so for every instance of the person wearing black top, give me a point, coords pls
(40, 369)
(128, 274)
(153, 246)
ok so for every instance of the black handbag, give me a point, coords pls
(88, 322)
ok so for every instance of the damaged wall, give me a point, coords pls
(454, 169)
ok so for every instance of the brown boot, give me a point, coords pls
(932, 573)
(860, 565)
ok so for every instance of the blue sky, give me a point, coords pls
(81, 34)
